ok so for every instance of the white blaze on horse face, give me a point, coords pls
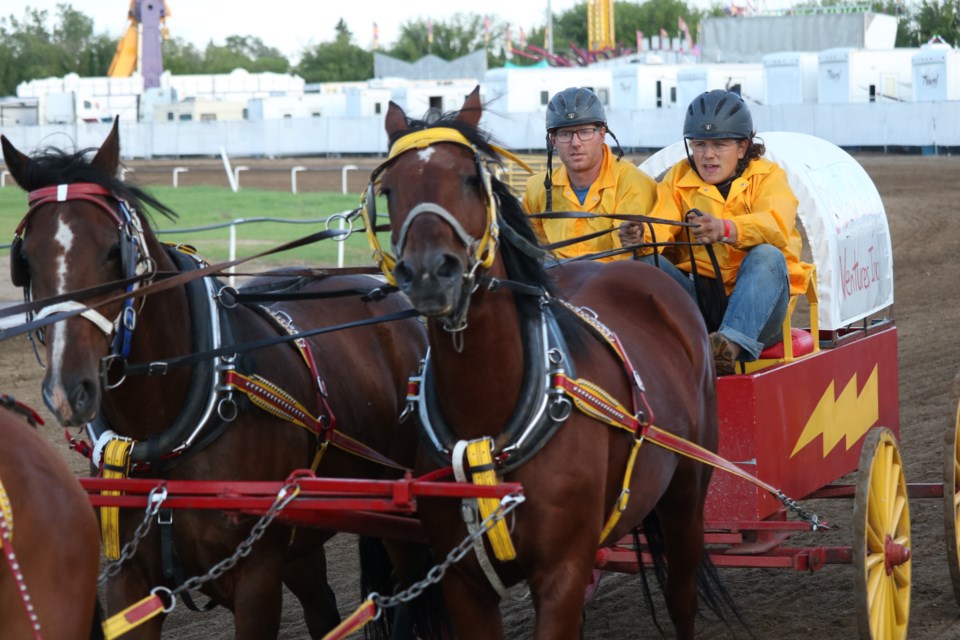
(56, 332)
(425, 154)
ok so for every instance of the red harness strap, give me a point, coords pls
(278, 402)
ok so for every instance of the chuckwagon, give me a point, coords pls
(817, 416)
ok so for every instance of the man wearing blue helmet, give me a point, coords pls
(742, 205)
(591, 180)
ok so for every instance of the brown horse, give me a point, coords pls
(466, 259)
(54, 538)
(86, 227)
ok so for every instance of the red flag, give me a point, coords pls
(639, 41)
(664, 39)
(486, 30)
(681, 25)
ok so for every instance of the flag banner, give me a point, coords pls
(639, 41)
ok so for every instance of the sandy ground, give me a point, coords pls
(920, 196)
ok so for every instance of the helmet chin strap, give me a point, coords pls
(548, 180)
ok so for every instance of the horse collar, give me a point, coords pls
(540, 409)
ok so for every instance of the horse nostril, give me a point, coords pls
(83, 397)
(402, 274)
(449, 267)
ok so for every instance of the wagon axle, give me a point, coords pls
(894, 554)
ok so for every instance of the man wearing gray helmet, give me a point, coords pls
(743, 206)
(591, 179)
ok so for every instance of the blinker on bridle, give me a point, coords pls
(133, 255)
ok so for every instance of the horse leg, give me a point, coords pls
(558, 593)
(306, 577)
(474, 607)
(258, 595)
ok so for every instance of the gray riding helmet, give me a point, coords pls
(573, 106)
(718, 114)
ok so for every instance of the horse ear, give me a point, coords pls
(108, 157)
(17, 162)
(471, 110)
(396, 119)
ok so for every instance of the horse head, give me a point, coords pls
(445, 230)
(81, 230)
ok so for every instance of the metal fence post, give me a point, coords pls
(176, 173)
(293, 177)
(343, 175)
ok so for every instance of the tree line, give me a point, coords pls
(38, 45)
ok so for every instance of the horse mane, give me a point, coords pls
(51, 166)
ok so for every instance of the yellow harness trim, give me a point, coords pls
(116, 464)
(604, 398)
(132, 617)
(621, 504)
(6, 512)
(479, 454)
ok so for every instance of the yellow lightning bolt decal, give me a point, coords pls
(850, 415)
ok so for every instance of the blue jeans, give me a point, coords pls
(758, 304)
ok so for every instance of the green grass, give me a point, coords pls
(202, 206)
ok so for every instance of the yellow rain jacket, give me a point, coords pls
(620, 188)
(760, 204)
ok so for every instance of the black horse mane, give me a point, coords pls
(51, 166)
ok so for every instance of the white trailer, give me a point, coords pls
(644, 86)
(790, 77)
(518, 89)
(848, 76)
(745, 79)
(936, 73)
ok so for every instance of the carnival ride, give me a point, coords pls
(140, 47)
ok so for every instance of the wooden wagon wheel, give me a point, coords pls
(951, 503)
(881, 547)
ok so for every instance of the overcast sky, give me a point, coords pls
(292, 25)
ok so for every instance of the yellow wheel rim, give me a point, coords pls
(951, 502)
(882, 540)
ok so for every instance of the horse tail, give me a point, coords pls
(710, 587)
(423, 617)
(96, 630)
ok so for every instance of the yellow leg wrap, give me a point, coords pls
(132, 617)
(6, 512)
(624, 498)
(479, 455)
(116, 464)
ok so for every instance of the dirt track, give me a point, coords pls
(920, 195)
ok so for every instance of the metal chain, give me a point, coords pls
(286, 495)
(507, 504)
(154, 500)
(815, 523)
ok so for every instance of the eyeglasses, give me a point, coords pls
(586, 134)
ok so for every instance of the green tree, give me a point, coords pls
(337, 61)
(459, 36)
(935, 18)
(244, 52)
(181, 57)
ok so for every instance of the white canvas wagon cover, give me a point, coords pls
(842, 216)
